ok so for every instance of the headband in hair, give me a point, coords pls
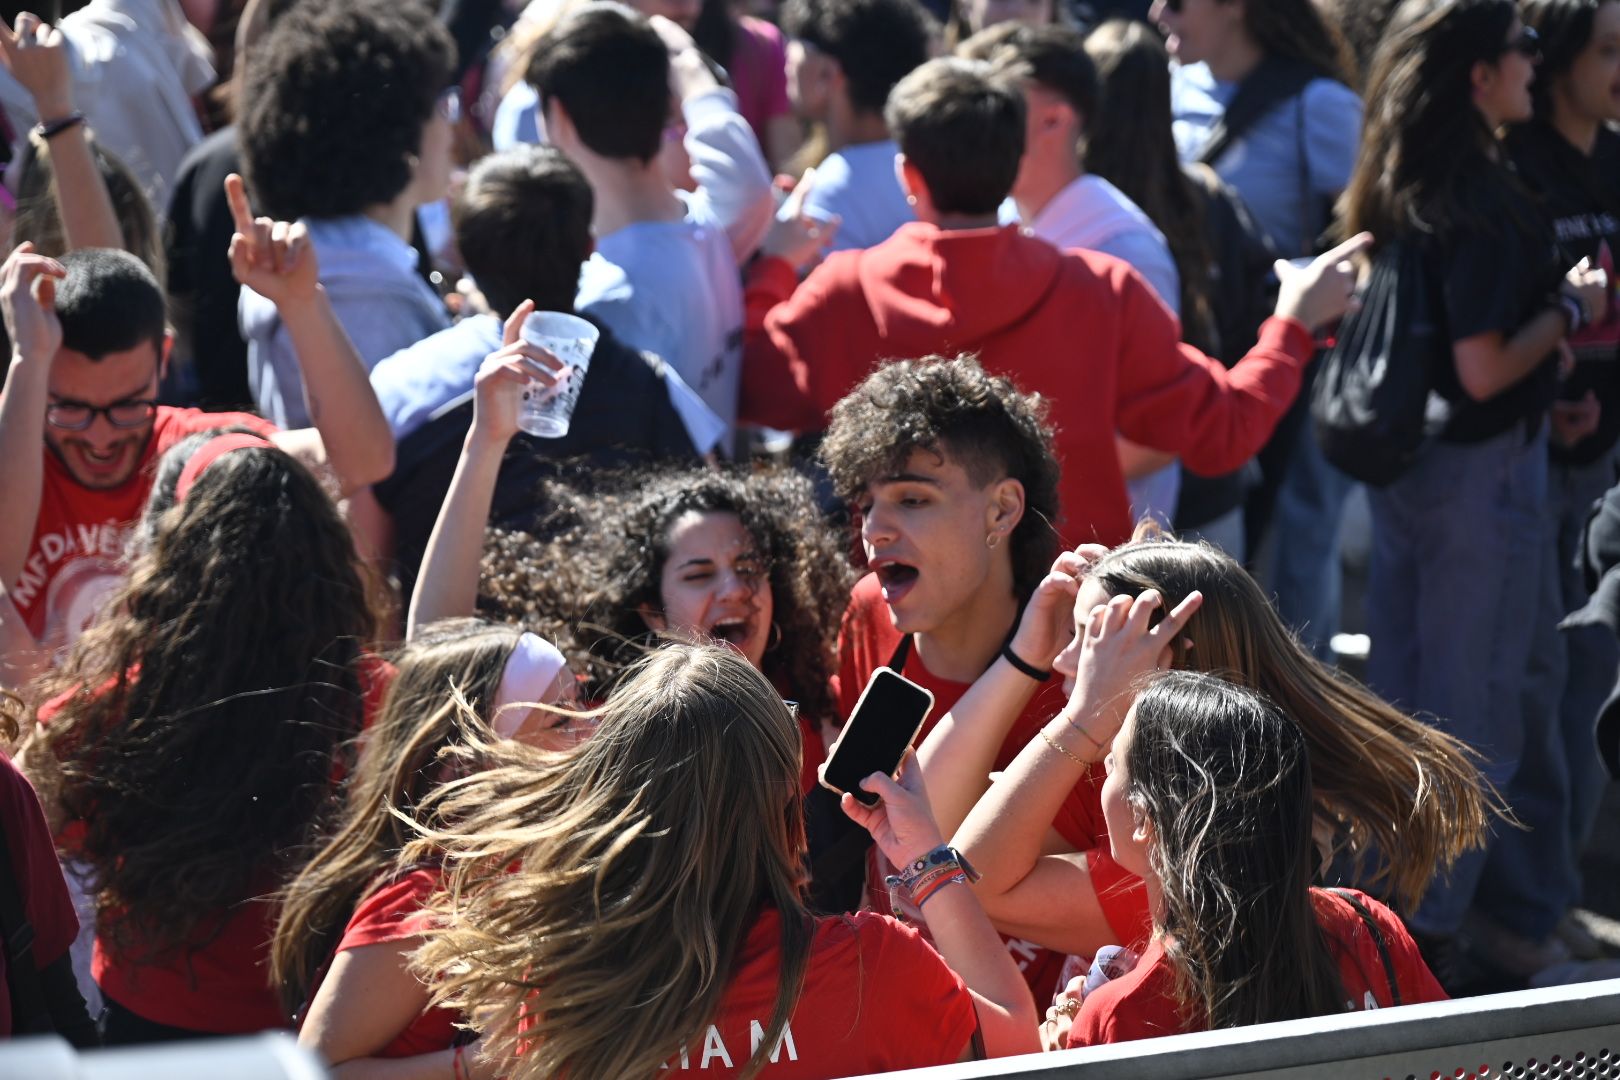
(530, 671)
(210, 452)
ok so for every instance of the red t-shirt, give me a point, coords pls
(876, 998)
(223, 986)
(38, 878)
(1142, 1005)
(394, 913)
(867, 641)
(75, 559)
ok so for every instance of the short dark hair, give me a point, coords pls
(876, 43)
(523, 227)
(109, 302)
(1052, 56)
(962, 125)
(334, 102)
(987, 425)
(609, 69)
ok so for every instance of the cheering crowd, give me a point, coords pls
(462, 467)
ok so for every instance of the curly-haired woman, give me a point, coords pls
(744, 558)
(346, 126)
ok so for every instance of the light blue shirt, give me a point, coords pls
(1312, 137)
(858, 184)
(417, 381)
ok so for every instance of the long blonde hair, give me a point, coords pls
(1405, 799)
(624, 877)
(398, 765)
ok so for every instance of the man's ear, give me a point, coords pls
(559, 125)
(163, 354)
(1006, 505)
(911, 182)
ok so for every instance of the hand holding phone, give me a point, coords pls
(883, 726)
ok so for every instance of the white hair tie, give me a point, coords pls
(530, 671)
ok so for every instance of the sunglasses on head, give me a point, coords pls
(1526, 42)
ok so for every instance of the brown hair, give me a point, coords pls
(624, 875)
(962, 126)
(1394, 789)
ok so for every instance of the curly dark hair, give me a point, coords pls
(584, 586)
(875, 42)
(983, 421)
(334, 102)
(205, 711)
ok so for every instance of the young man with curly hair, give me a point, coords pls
(345, 127)
(951, 473)
(844, 56)
(1080, 328)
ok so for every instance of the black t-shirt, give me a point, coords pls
(624, 416)
(1497, 268)
(1580, 196)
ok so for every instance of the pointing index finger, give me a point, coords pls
(241, 211)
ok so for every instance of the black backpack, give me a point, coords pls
(1373, 405)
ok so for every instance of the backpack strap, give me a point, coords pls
(1269, 85)
(29, 1012)
(1378, 939)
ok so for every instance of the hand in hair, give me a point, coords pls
(503, 377)
(28, 302)
(1321, 293)
(273, 258)
(37, 57)
(1118, 644)
(1047, 625)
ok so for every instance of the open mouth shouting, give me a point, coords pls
(734, 630)
(896, 578)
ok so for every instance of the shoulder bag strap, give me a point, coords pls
(1378, 939)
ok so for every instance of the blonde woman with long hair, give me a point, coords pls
(641, 903)
(1396, 801)
(351, 918)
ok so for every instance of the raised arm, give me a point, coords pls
(28, 300)
(276, 260)
(730, 170)
(447, 584)
(37, 57)
(904, 830)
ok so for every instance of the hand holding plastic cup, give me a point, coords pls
(547, 410)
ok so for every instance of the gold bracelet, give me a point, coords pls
(1070, 754)
(1089, 737)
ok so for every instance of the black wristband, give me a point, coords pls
(1023, 665)
(56, 127)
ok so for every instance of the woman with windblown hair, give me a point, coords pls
(640, 902)
(196, 734)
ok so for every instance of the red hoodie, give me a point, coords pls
(1078, 327)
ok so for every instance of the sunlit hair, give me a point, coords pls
(398, 765)
(1427, 160)
(1403, 798)
(621, 881)
(1129, 143)
(584, 587)
(1224, 780)
(39, 220)
(1297, 30)
(205, 708)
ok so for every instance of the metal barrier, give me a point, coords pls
(1565, 1032)
(273, 1056)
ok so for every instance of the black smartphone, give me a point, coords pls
(886, 720)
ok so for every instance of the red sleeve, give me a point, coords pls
(1417, 982)
(901, 969)
(34, 867)
(393, 912)
(774, 391)
(801, 351)
(190, 421)
(1174, 398)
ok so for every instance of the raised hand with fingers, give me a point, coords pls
(36, 54)
(1323, 292)
(273, 258)
(505, 375)
(28, 301)
(1117, 644)
(1047, 625)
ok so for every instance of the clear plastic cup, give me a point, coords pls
(547, 410)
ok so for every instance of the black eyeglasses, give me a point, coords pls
(1526, 42)
(77, 416)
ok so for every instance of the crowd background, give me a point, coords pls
(995, 343)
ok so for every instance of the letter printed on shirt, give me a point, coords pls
(714, 1046)
(756, 1035)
